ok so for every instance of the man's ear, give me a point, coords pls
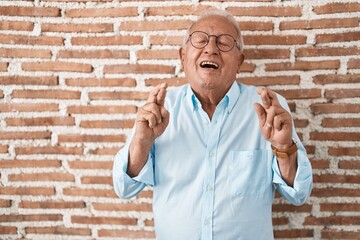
(182, 56)
(240, 61)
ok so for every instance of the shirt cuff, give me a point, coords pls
(299, 193)
(146, 174)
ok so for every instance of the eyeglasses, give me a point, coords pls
(224, 42)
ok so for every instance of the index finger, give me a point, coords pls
(154, 93)
(268, 97)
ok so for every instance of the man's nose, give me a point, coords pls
(211, 47)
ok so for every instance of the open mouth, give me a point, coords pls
(208, 64)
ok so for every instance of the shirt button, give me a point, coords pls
(207, 222)
(208, 188)
(211, 154)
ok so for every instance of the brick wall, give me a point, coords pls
(72, 74)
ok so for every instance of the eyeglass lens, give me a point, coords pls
(224, 42)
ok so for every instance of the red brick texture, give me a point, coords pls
(74, 72)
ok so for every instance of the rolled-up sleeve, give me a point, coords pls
(124, 185)
(300, 192)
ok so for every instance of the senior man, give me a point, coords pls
(213, 150)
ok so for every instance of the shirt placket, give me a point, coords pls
(213, 134)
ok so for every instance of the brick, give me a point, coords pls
(291, 208)
(31, 40)
(335, 178)
(95, 54)
(107, 40)
(29, 107)
(344, 151)
(247, 67)
(57, 67)
(49, 150)
(8, 230)
(1, 94)
(3, 66)
(340, 122)
(326, 51)
(134, 95)
(334, 79)
(175, 11)
(342, 93)
(3, 149)
(139, 69)
(27, 80)
(157, 54)
(338, 37)
(5, 203)
(102, 12)
(123, 207)
(145, 194)
(89, 192)
(96, 180)
(126, 233)
(320, 164)
(300, 93)
(303, 65)
(58, 230)
(334, 192)
(320, 23)
(90, 165)
(24, 53)
(274, 39)
(166, 40)
(41, 121)
(101, 109)
(149, 222)
(77, 28)
(52, 204)
(176, 81)
(50, 94)
(118, 124)
(265, 11)
(16, 25)
(22, 191)
(340, 207)
(294, 233)
(155, 25)
(280, 221)
(270, 80)
(337, 8)
(256, 26)
(31, 163)
(310, 149)
(301, 123)
(354, 64)
(90, 138)
(334, 234)
(267, 53)
(103, 220)
(104, 151)
(349, 164)
(323, 108)
(332, 220)
(101, 82)
(335, 136)
(44, 177)
(30, 11)
(24, 135)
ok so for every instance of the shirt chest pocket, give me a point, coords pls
(249, 172)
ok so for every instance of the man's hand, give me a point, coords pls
(152, 118)
(275, 121)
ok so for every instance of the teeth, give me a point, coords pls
(208, 64)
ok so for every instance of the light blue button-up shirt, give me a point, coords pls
(213, 180)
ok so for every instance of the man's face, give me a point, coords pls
(222, 72)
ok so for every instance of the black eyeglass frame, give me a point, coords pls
(216, 40)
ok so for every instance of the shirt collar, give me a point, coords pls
(232, 97)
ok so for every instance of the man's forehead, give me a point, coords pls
(213, 21)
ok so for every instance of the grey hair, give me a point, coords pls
(221, 13)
